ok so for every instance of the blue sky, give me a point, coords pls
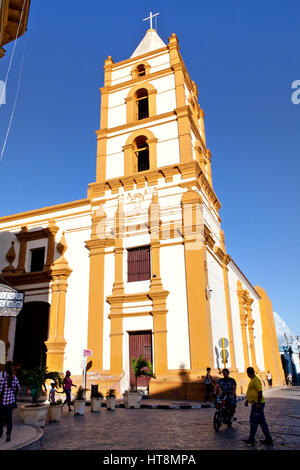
(243, 56)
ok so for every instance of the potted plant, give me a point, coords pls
(79, 401)
(96, 400)
(36, 413)
(111, 399)
(140, 366)
(55, 410)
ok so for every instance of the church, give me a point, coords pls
(140, 265)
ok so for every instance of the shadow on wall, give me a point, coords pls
(183, 387)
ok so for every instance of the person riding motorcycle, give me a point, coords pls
(226, 387)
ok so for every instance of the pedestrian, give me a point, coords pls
(209, 384)
(257, 402)
(269, 378)
(9, 387)
(290, 379)
(68, 384)
(52, 392)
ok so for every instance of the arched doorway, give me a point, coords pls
(31, 334)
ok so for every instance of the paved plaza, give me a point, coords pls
(175, 429)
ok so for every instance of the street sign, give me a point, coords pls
(87, 352)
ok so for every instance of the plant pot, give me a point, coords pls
(132, 399)
(79, 407)
(35, 394)
(96, 404)
(34, 415)
(54, 413)
(111, 403)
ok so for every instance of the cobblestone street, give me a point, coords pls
(175, 429)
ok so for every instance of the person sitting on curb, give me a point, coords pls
(255, 398)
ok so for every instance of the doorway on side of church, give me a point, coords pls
(140, 343)
(31, 334)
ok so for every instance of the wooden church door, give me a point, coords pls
(140, 343)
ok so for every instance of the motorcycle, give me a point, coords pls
(223, 414)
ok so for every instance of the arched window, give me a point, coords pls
(141, 70)
(140, 152)
(142, 103)
(141, 149)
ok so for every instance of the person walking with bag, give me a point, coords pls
(9, 387)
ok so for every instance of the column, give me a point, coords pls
(96, 247)
(209, 175)
(129, 166)
(182, 109)
(225, 262)
(250, 322)
(11, 338)
(202, 126)
(243, 320)
(51, 232)
(56, 342)
(199, 317)
(156, 293)
(229, 314)
(159, 313)
(116, 312)
(4, 329)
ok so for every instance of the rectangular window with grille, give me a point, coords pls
(138, 264)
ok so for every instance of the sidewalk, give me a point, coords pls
(21, 437)
(24, 436)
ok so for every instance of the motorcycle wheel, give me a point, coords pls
(217, 421)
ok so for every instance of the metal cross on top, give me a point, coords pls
(150, 18)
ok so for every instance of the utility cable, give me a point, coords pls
(14, 106)
(13, 52)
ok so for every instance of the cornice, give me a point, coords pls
(103, 133)
(28, 278)
(35, 234)
(131, 60)
(187, 170)
(44, 210)
(137, 80)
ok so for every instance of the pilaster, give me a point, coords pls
(243, 320)
(56, 342)
(199, 316)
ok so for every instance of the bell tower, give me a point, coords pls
(150, 115)
(152, 166)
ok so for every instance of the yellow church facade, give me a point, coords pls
(140, 266)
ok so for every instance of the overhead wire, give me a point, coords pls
(15, 103)
(7, 75)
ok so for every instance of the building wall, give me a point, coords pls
(77, 231)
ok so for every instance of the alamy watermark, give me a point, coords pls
(190, 226)
(296, 94)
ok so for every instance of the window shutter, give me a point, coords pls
(138, 265)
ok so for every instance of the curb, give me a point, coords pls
(169, 407)
(28, 443)
(32, 444)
